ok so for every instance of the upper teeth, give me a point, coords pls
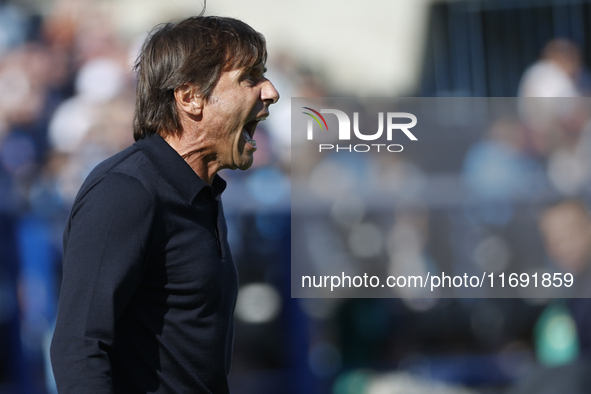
(262, 118)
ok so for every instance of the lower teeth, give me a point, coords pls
(248, 139)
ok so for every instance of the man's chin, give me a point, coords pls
(245, 163)
(245, 166)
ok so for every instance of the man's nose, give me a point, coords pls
(268, 93)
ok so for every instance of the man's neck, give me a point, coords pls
(196, 155)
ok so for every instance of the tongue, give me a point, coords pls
(248, 139)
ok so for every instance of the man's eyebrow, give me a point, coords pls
(254, 70)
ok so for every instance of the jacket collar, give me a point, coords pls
(176, 170)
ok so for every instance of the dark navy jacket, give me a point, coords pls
(149, 285)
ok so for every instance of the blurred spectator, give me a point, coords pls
(562, 338)
(498, 168)
(556, 74)
(566, 228)
(550, 90)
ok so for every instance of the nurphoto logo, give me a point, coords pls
(344, 130)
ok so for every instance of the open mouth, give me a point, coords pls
(248, 132)
(250, 127)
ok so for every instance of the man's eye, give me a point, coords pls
(254, 77)
(251, 79)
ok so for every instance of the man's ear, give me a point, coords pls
(189, 99)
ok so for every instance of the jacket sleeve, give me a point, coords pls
(105, 246)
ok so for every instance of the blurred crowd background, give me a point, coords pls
(66, 103)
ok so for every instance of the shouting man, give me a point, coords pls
(149, 284)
